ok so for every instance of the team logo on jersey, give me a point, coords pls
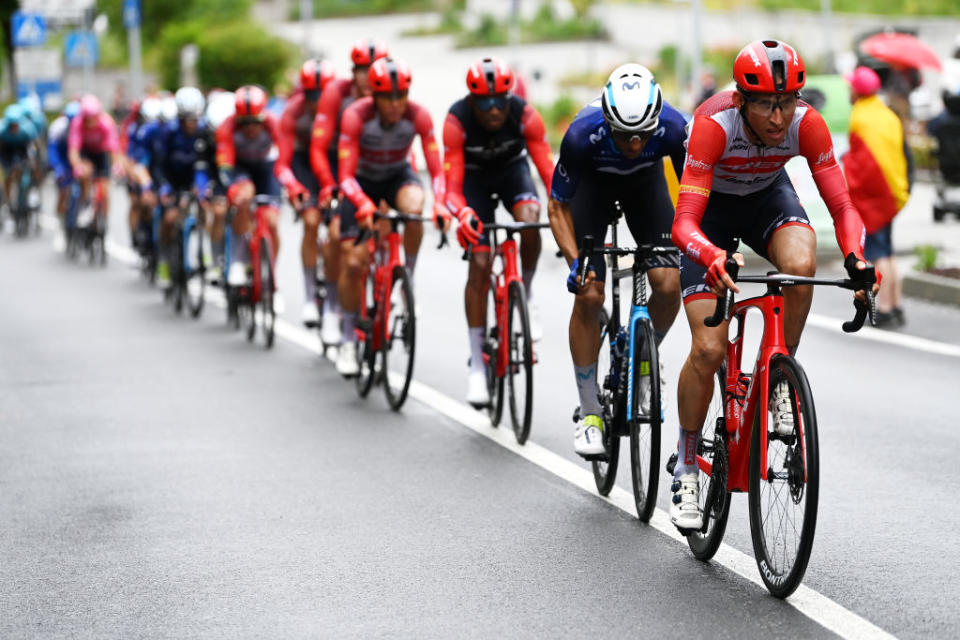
(630, 86)
(597, 136)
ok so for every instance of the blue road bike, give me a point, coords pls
(628, 372)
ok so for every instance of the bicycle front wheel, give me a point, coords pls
(605, 470)
(645, 425)
(177, 275)
(783, 506)
(520, 362)
(491, 352)
(195, 269)
(366, 356)
(267, 286)
(399, 340)
(713, 459)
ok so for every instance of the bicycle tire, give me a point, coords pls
(645, 429)
(402, 325)
(366, 356)
(178, 280)
(520, 361)
(714, 497)
(491, 351)
(605, 471)
(268, 316)
(801, 464)
(196, 273)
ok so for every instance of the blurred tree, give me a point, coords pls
(582, 7)
(157, 15)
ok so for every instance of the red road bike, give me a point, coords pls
(507, 347)
(244, 302)
(740, 448)
(388, 324)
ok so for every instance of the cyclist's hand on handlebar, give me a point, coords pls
(365, 215)
(470, 227)
(326, 196)
(854, 265)
(717, 277)
(441, 217)
(573, 278)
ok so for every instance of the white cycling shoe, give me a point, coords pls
(237, 275)
(536, 329)
(588, 436)
(347, 364)
(331, 333)
(685, 511)
(782, 410)
(477, 394)
(309, 314)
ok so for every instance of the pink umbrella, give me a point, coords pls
(901, 49)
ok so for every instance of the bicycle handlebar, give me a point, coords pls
(863, 280)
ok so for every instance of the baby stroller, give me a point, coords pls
(947, 134)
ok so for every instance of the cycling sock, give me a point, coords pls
(310, 283)
(241, 245)
(218, 250)
(658, 336)
(349, 322)
(332, 303)
(527, 277)
(476, 348)
(587, 389)
(411, 260)
(687, 453)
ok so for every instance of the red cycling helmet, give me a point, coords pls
(489, 76)
(315, 74)
(366, 52)
(388, 75)
(769, 66)
(250, 102)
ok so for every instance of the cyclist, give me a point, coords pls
(613, 151)
(734, 186)
(338, 94)
(38, 159)
(17, 133)
(93, 148)
(57, 154)
(486, 138)
(180, 157)
(246, 150)
(143, 200)
(296, 127)
(220, 106)
(376, 135)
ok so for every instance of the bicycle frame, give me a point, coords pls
(261, 230)
(382, 280)
(500, 281)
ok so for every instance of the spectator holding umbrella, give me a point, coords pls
(877, 170)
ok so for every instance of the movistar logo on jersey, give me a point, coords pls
(597, 135)
(630, 86)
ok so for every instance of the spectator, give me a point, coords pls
(878, 174)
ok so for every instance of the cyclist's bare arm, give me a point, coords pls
(561, 223)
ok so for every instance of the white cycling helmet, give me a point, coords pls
(220, 106)
(631, 99)
(190, 102)
(150, 109)
(168, 108)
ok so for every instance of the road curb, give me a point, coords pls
(932, 287)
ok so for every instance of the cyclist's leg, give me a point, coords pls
(477, 192)
(519, 195)
(311, 218)
(405, 194)
(354, 261)
(781, 232)
(240, 194)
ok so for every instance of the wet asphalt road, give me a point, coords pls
(161, 477)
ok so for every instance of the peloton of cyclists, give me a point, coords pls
(487, 137)
(734, 186)
(613, 151)
(338, 94)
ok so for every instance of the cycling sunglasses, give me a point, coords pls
(485, 103)
(312, 94)
(766, 106)
(627, 137)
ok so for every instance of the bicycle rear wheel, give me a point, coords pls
(195, 269)
(491, 351)
(520, 362)
(714, 496)
(366, 356)
(267, 285)
(605, 471)
(400, 341)
(645, 426)
(783, 507)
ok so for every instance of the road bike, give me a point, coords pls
(628, 369)
(244, 302)
(740, 448)
(188, 257)
(26, 204)
(86, 223)
(508, 355)
(387, 326)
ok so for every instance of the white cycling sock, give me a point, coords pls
(241, 247)
(687, 453)
(309, 283)
(527, 277)
(411, 262)
(349, 322)
(476, 348)
(332, 302)
(587, 389)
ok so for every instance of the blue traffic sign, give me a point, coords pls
(28, 29)
(131, 14)
(81, 49)
(50, 92)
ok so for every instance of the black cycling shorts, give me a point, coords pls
(100, 161)
(646, 204)
(303, 172)
(376, 190)
(752, 218)
(510, 184)
(261, 174)
(12, 154)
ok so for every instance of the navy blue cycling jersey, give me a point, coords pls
(183, 160)
(587, 146)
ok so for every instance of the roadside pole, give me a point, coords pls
(131, 20)
(306, 17)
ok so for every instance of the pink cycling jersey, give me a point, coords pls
(100, 138)
(721, 157)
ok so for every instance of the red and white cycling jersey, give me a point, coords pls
(721, 157)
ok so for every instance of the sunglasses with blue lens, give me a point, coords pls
(485, 103)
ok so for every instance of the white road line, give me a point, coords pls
(888, 337)
(812, 604)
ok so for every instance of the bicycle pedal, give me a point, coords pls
(672, 463)
(685, 532)
(596, 457)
